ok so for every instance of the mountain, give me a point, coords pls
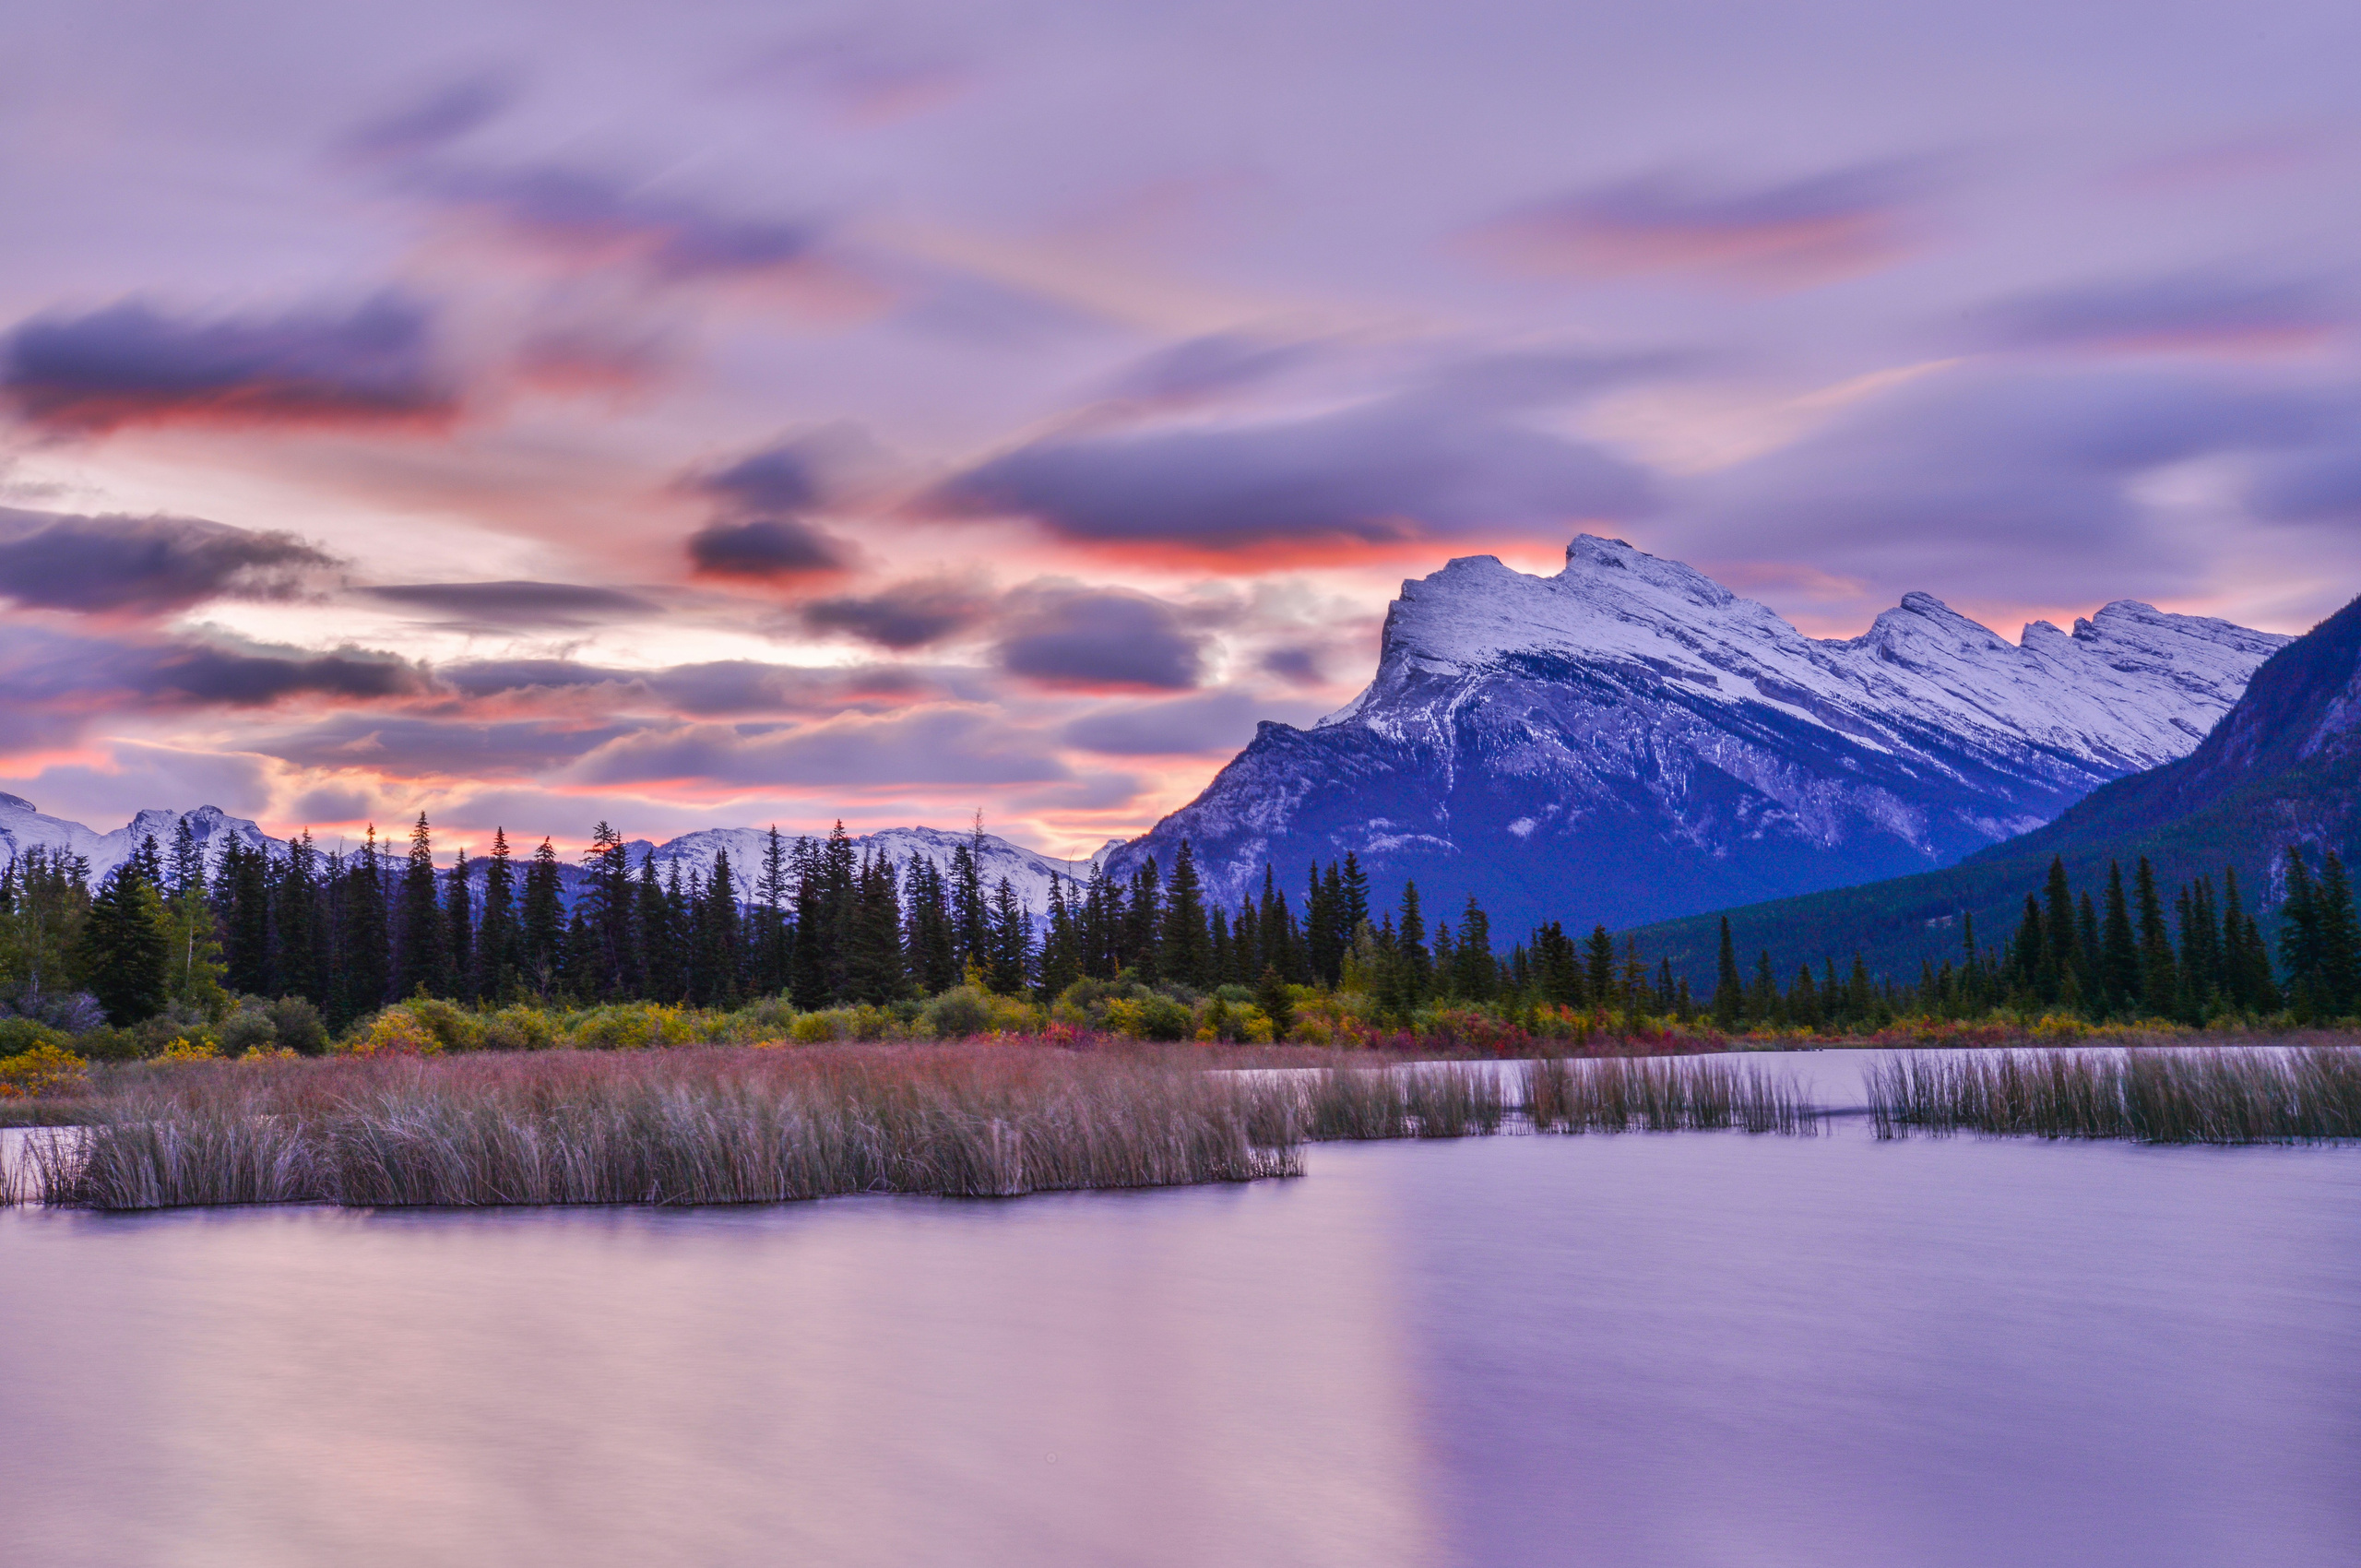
(2283, 766)
(22, 826)
(1628, 740)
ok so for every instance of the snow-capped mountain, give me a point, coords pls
(1028, 873)
(22, 827)
(1630, 740)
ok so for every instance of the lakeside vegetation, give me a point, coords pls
(2306, 1094)
(251, 956)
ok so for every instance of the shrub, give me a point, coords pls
(519, 1028)
(453, 1026)
(42, 1069)
(959, 1013)
(393, 1032)
(299, 1026)
(20, 1035)
(182, 1049)
(248, 1029)
(630, 1026)
(814, 1029)
(1151, 1017)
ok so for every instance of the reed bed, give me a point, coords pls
(1432, 1100)
(2307, 1094)
(1616, 1095)
(688, 1127)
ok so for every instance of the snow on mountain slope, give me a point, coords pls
(1629, 740)
(22, 827)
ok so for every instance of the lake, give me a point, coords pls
(1693, 1349)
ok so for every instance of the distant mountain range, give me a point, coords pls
(1628, 740)
(22, 826)
(2282, 767)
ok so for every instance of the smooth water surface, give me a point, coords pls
(1697, 1349)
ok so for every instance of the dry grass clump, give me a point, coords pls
(2310, 1093)
(689, 1126)
(1429, 1101)
(1616, 1095)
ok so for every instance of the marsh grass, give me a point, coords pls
(1663, 1094)
(1418, 1101)
(2306, 1094)
(691, 1126)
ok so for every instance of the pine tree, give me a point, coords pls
(124, 951)
(541, 924)
(421, 960)
(496, 965)
(299, 916)
(2120, 950)
(1417, 962)
(1142, 921)
(2061, 946)
(768, 935)
(1061, 949)
(1476, 973)
(1271, 995)
(459, 930)
(2159, 974)
(2338, 939)
(1729, 991)
(1011, 941)
(1184, 945)
(363, 945)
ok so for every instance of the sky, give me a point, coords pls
(533, 414)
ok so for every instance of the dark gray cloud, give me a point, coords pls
(583, 214)
(496, 606)
(903, 615)
(785, 477)
(412, 747)
(1966, 479)
(1208, 723)
(2313, 487)
(1202, 367)
(1300, 665)
(763, 547)
(1405, 468)
(45, 671)
(55, 560)
(1096, 638)
(2188, 310)
(711, 688)
(928, 746)
(440, 117)
(1789, 232)
(131, 363)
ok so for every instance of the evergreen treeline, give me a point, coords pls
(823, 923)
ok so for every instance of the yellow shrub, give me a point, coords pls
(631, 1025)
(45, 1070)
(184, 1049)
(814, 1029)
(519, 1028)
(393, 1032)
(268, 1054)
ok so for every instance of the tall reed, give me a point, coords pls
(1660, 1095)
(1421, 1100)
(692, 1126)
(2307, 1094)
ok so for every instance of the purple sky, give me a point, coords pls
(724, 414)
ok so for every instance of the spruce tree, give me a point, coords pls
(1729, 989)
(1011, 967)
(2119, 949)
(421, 935)
(363, 945)
(125, 952)
(540, 924)
(496, 966)
(1184, 947)
(459, 929)
(2159, 974)
(1476, 976)
(1417, 962)
(2338, 939)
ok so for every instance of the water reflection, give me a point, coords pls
(1687, 1350)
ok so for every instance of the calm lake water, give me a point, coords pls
(1678, 1350)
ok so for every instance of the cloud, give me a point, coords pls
(496, 606)
(580, 216)
(1098, 639)
(1966, 480)
(1409, 466)
(712, 688)
(1210, 722)
(43, 671)
(784, 478)
(1205, 366)
(1788, 234)
(430, 123)
(1300, 665)
(411, 746)
(2181, 312)
(929, 746)
(131, 363)
(54, 561)
(763, 549)
(2313, 487)
(905, 615)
